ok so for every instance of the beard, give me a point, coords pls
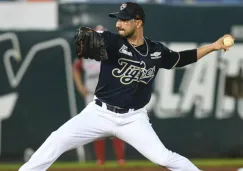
(126, 34)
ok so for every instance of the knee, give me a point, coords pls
(57, 137)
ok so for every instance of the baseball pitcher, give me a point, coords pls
(129, 64)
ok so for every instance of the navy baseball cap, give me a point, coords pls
(128, 11)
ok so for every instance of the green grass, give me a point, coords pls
(112, 164)
(218, 162)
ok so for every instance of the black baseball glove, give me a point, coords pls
(90, 44)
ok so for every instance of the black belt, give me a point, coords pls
(112, 108)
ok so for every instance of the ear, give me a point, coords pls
(139, 23)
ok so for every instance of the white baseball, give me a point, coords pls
(228, 41)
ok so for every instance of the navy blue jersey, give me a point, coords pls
(126, 79)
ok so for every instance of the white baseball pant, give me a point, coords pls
(95, 122)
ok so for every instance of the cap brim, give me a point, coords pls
(113, 15)
(119, 16)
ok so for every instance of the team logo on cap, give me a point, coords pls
(123, 6)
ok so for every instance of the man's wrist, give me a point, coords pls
(213, 47)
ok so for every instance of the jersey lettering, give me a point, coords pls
(133, 71)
